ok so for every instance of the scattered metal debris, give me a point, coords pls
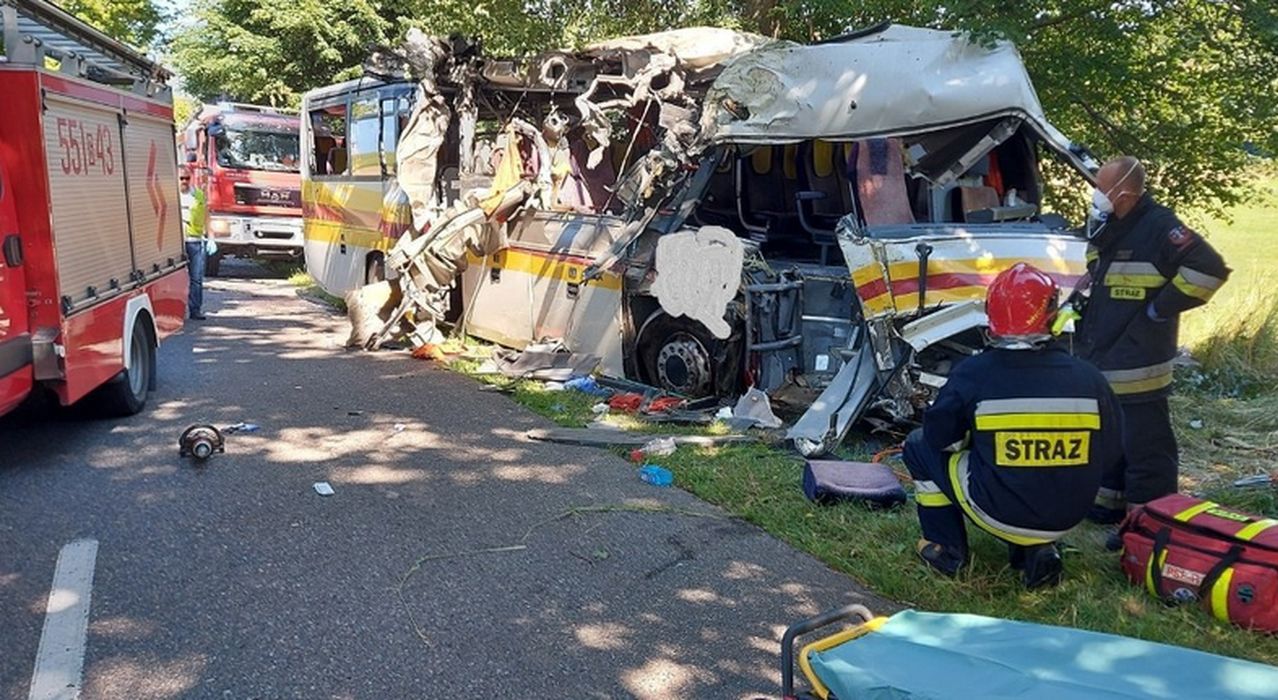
(241, 428)
(201, 442)
(602, 437)
(323, 488)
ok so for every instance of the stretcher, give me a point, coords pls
(919, 655)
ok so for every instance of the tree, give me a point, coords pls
(134, 22)
(268, 52)
(1182, 84)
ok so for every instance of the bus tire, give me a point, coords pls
(126, 394)
(679, 355)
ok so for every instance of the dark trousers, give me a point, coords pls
(939, 514)
(195, 268)
(1150, 461)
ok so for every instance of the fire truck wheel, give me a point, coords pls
(126, 394)
(212, 264)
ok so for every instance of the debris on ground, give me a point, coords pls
(587, 385)
(599, 409)
(753, 408)
(832, 481)
(1197, 424)
(399, 427)
(550, 361)
(1257, 480)
(323, 488)
(660, 447)
(429, 351)
(201, 442)
(241, 428)
(655, 475)
(639, 403)
(613, 437)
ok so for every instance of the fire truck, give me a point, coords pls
(92, 275)
(246, 158)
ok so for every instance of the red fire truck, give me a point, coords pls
(246, 157)
(92, 275)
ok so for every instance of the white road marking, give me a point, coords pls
(60, 659)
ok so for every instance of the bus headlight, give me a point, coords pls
(219, 227)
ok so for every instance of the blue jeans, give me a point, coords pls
(195, 268)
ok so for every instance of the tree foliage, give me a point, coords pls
(269, 52)
(135, 22)
(1183, 84)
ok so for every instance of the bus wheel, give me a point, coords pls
(678, 355)
(126, 394)
(375, 270)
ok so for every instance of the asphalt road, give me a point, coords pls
(237, 580)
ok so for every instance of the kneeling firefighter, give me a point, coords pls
(1017, 439)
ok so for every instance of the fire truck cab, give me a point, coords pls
(246, 158)
(92, 275)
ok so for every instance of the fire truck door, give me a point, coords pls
(15, 341)
(153, 194)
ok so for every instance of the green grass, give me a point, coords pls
(1232, 394)
(308, 287)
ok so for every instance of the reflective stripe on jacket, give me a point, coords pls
(1036, 427)
(1145, 270)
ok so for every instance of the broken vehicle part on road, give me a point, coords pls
(705, 211)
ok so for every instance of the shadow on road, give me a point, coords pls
(456, 557)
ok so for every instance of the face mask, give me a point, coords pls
(1101, 203)
(1102, 207)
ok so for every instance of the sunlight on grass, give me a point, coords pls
(1234, 396)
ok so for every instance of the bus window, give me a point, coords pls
(365, 145)
(395, 113)
(328, 124)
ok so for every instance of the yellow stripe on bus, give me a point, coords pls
(547, 265)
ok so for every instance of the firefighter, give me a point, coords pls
(1144, 268)
(1016, 440)
(194, 211)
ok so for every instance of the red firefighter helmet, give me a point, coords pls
(1021, 303)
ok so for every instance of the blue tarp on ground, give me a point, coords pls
(934, 655)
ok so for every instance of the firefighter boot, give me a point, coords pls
(1040, 565)
(944, 560)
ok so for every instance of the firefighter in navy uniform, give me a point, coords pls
(1144, 269)
(1016, 440)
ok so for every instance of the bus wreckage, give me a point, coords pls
(703, 210)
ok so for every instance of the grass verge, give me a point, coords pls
(760, 483)
(307, 287)
(1233, 398)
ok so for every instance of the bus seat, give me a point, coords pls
(977, 198)
(336, 160)
(880, 182)
(719, 202)
(826, 170)
(593, 186)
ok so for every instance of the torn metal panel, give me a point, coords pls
(699, 274)
(944, 323)
(893, 82)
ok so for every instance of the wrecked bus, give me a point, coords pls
(703, 210)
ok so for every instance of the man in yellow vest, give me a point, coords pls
(194, 213)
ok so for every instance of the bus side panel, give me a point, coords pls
(87, 196)
(22, 148)
(153, 197)
(342, 225)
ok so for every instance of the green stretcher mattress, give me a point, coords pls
(920, 655)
